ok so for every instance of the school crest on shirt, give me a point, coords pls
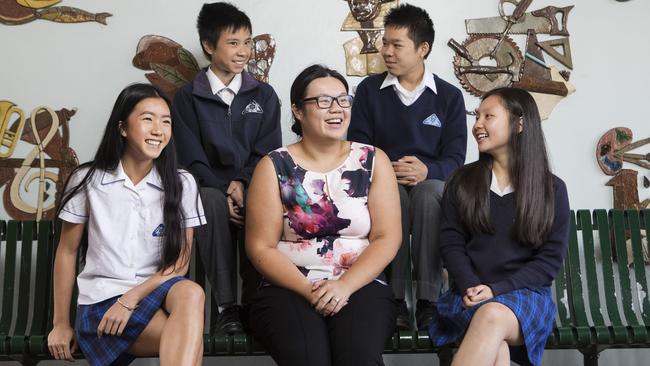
(252, 107)
(159, 231)
(432, 120)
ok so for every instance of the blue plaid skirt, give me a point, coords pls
(111, 350)
(534, 309)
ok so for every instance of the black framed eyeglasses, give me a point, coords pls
(325, 101)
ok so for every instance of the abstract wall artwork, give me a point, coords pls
(34, 181)
(174, 66)
(615, 147)
(16, 12)
(489, 58)
(366, 17)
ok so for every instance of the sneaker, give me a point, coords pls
(402, 322)
(228, 321)
(424, 313)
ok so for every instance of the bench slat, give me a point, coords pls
(575, 282)
(619, 331)
(593, 293)
(640, 288)
(18, 338)
(44, 263)
(639, 333)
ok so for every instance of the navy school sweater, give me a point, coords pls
(218, 143)
(434, 128)
(499, 260)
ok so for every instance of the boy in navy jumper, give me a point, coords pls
(419, 120)
(224, 122)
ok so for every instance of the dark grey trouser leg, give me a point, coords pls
(215, 246)
(401, 265)
(425, 220)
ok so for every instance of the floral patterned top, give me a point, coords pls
(326, 220)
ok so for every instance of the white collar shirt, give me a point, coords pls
(225, 92)
(494, 187)
(125, 228)
(409, 97)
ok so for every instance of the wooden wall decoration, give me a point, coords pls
(174, 66)
(16, 12)
(366, 17)
(32, 187)
(489, 58)
(615, 148)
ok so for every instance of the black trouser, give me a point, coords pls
(217, 251)
(295, 334)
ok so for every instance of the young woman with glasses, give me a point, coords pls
(323, 220)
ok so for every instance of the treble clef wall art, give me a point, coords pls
(33, 184)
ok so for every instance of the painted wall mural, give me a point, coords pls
(366, 17)
(16, 12)
(489, 58)
(174, 66)
(33, 181)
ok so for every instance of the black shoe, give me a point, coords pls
(424, 313)
(228, 321)
(402, 322)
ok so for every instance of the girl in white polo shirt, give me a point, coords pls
(139, 211)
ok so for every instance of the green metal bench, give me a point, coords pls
(601, 304)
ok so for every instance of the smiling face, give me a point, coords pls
(231, 53)
(492, 127)
(401, 56)
(316, 122)
(147, 129)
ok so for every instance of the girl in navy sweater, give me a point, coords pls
(504, 232)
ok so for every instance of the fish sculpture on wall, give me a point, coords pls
(16, 12)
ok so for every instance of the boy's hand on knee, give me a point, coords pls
(235, 193)
(410, 170)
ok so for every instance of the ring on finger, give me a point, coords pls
(336, 299)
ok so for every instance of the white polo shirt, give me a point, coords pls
(225, 92)
(125, 227)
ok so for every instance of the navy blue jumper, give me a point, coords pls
(499, 260)
(434, 128)
(220, 143)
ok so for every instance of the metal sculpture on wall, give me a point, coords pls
(16, 12)
(489, 58)
(32, 188)
(366, 17)
(613, 149)
(174, 66)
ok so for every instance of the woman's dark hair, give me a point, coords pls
(218, 17)
(416, 20)
(108, 155)
(302, 81)
(530, 175)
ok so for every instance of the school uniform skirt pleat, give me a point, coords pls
(109, 349)
(534, 308)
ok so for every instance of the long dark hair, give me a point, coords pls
(108, 155)
(530, 175)
(302, 81)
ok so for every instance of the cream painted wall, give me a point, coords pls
(86, 65)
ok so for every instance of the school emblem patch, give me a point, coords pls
(253, 107)
(432, 120)
(159, 231)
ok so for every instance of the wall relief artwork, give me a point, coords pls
(615, 147)
(174, 66)
(16, 12)
(34, 182)
(489, 58)
(366, 17)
